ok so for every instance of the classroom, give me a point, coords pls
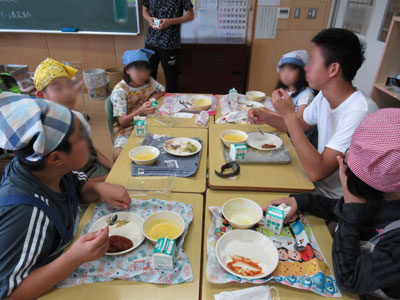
(200, 149)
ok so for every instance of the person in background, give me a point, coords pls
(336, 111)
(39, 197)
(53, 81)
(131, 95)
(369, 212)
(165, 40)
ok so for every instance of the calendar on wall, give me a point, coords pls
(232, 18)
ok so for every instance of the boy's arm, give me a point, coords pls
(316, 205)
(361, 273)
(187, 17)
(317, 165)
(146, 15)
(88, 247)
(113, 194)
(104, 160)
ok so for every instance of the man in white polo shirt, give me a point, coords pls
(336, 111)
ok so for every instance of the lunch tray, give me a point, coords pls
(278, 156)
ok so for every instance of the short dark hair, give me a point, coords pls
(341, 46)
(21, 154)
(137, 65)
(301, 83)
(362, 190)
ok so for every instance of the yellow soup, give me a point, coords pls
(234, 137)
(145, 156)
(163, 229)
(202, 102)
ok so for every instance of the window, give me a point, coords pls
(393, 10)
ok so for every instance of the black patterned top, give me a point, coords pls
(169, 38)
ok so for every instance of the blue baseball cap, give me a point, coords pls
(131, 56)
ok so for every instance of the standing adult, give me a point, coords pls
(165, 40)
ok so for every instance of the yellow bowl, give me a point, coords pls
(144, 155)
(255, 96)
(242, 213)
(200, 102)
(228, 142)
(160, 218)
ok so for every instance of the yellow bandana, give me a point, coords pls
(50, 69)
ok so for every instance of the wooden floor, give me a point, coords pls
(100, 133)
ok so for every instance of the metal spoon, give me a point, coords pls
(260, 131)
(296, 244)
(113, 220)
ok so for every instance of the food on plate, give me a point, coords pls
(118, 223)
(268, 146)
(201, 102)
(244, 266)
(145, 156)
(190, 147)
(163, 229)
(119, 243)
(234, 137)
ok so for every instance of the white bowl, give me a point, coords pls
(255, 96)
(242, 213)
(205, 106)
(142, 150)
(163, 217)
(228, 143)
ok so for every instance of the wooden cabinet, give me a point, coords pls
(212, 67)
(390, 66)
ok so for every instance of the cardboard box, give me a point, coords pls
(140, 126)
(238, 152)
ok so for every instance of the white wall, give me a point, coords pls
(364, 79)
(366, 75)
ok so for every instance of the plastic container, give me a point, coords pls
(97, 83)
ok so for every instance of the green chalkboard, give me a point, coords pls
(88, 16)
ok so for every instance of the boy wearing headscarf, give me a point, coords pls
(366, 245)
(39, 197)
(53, 81)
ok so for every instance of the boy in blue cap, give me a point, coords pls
(39, 197)
(131, 95)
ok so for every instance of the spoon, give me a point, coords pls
(260, 131)
(113, 220)
(296, 244)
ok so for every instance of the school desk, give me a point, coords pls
(124, 290)
(170, 121)
(321, 233)
(256, 177)
(121, 171)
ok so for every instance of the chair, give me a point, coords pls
(110, 117)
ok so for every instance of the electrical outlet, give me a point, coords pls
(312, 13)
(296, 14)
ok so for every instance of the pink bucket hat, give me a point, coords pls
(374, 153)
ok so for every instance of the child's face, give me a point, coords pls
(317, 74)
(79, 154)
(138, 76)
(289, 75)
(60, 90)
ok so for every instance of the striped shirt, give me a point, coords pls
(28, 239)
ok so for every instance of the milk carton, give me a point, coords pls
(238, 152)
(275, 217)
(233, 95)
(140, 125)
(156, 23)
(164, 254)
(154, 103)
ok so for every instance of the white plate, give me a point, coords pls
(249, 244)
(256, 140)
(131, 230)
(244, 105)
(182, 142)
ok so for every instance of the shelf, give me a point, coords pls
(383, 88)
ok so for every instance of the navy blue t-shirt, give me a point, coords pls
(28, 239)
